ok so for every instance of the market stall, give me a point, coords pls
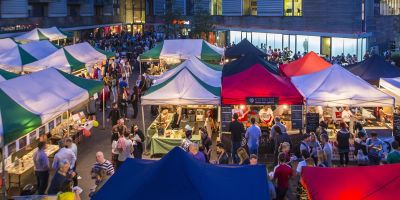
(52, 33)
(368, 182)
(5, 75)
(374, 68)
(243, 48)
(29, 114)
(308, 64)
(172, 52)
(330, 93)
(184, 97)
(253, 89)
(69, 59)
(14, 58)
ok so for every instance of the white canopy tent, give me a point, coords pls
(335, 86)
(39, 49)
(7, 44)
(85, 53)
(185, 48)
(391, 86)
(211, 74)
(37, 34)
(183, 88)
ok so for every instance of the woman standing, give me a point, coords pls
(243, 156)
(342, 138)
(138, 139)
(123, 102)
(209, 123)
(135, 101)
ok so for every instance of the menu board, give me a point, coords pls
(312, 120)
(51, 125)
(32, 137)
(226, 117)
(396, 124)
(22, 143)
(297, 116)
(262, 100)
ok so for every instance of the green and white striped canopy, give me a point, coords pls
(183, 49)
(69, 59)
(21, 54)
(31, 100)
(37, 34)
(186, 85)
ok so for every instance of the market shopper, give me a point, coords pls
(102, 163)
(279, 138)
(91, 108)
(314, 147)
(237, 130)
(135, 101)
(206, 142)
(375, 149)
(119, 129)
(114, 115)
(253, 134)
(67, 192)
(361, 149)
(41, 167)
(62, 175)
(187, 140)
(282, 174)
(307, 161)
(243, 156)
(194, 151)
(343, 144)
(64, 154)
(327, 148)
(394, 156)
(223, 157)
(125, 149)
(138, 141)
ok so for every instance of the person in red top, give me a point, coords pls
(282, 174)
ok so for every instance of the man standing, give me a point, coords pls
(237, 129)
(102, 163)
(64, 154)
(223, 158)
(253, 134)
(125, 148)
(394, 156)
(375, 149)
(282, 174)
(138, 138)
(281, 126)
(114, 115)
(41, 165)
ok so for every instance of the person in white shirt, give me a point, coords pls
(64, 154)
(347, 115)
(307, 162)
(71, 145)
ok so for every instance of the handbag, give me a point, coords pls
(243, 143)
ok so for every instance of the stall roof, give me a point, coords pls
(7, 44)
(368, 182)
(5, 75)
(49, 93)
(85, 53)
(257, 81)
(209, 73)
(15, 58)
(374, 68)
(335, 86)
(242, 48)
(246, 62)
(308, 64)
(40, 49)
(52, 33)
(184, 49)
(183, 88)
(179, 176)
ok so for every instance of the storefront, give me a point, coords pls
(327, 44)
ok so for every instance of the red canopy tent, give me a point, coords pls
(369, 183)
(308, 64)
(257, 81)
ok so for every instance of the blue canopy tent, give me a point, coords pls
(178, 176)
(374, 68)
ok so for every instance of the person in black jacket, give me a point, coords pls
(343, 144)
(135, 101)
(223, 158)
(237, 130)
(114, 115)
(138, 137)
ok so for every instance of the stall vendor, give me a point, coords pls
(347, 115)
(266, 115)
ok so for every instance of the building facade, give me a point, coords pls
(327, 27)
(72, 15)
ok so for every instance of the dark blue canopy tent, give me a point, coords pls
(178, 176)
(374, 68)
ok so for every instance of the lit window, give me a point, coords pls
(293, 7)
(389, 7)
(249, 7)
(216, 7)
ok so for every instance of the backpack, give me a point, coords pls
(296, 149)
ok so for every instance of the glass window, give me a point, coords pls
(216, 7)
(308, 43)
(235, 37)
(270, 40)
(364, 46)
(359, 49)
(278, 41)
(285, 41)
(337, 46)
(274, 40)
(389, 7)
(293, 7)
(258, 39)
(349, 46)
(293, 43)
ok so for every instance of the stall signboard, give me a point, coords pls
(22, 143)
(297, 116)
(261, 100)
(396, 124)
(312, 120)
(226, 117)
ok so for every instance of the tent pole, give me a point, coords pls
(306, 116)
(145, 131)
(104, 108)
(220, 123)
(3, 171)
